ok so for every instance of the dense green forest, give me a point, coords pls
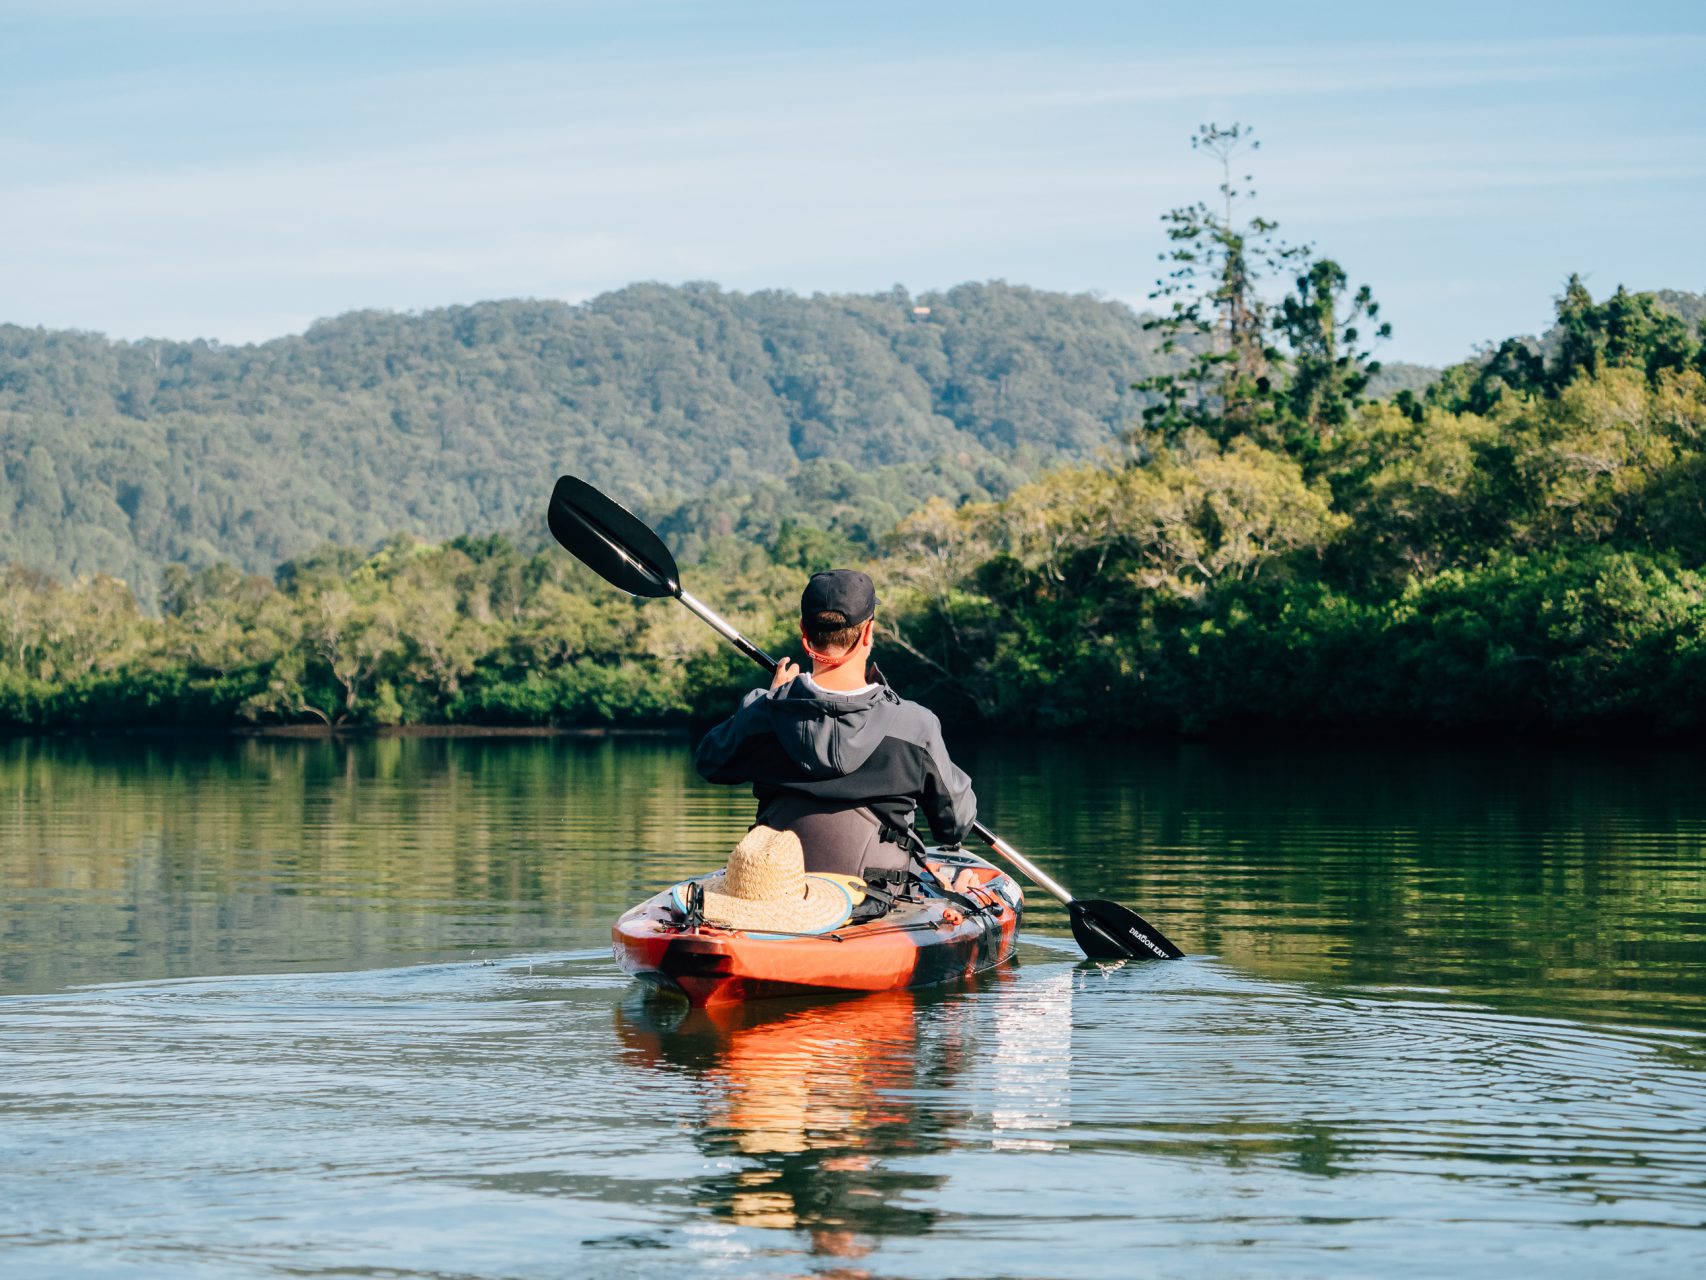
(1224, 514)
(1520, 547)
(1523, 548)
(123, 457)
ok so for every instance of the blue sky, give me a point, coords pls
(186, 168)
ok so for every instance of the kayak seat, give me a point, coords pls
(843, 840)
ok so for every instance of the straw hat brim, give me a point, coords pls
(827, 904)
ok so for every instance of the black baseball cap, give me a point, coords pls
(844, 591)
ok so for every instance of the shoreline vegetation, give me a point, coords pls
(318, 731)
(1518, 549)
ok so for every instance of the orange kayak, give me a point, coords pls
(932, 938)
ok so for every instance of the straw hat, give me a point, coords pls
(765, 889)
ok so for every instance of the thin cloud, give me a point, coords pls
(565, 176)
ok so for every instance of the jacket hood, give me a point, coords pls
(828, 735)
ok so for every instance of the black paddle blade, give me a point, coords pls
(1108, 931)
(611, 540)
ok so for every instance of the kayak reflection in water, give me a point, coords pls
(808, 1102)
(838, 757)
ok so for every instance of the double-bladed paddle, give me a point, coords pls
(618, 546)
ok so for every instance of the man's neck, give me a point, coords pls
(849, 677)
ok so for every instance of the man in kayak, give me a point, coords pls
(837, 756)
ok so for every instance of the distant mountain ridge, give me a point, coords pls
(703, 408)
(1690, 306)
(120, 457)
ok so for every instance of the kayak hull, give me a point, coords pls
(916, 944)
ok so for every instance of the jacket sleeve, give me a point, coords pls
(717, 752)
(946, 796)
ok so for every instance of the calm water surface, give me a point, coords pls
(288, 1008)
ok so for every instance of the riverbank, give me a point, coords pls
(319, 731)
(1235, 736)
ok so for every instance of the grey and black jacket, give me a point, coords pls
(872, 750)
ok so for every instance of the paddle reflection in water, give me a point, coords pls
(809, 1106)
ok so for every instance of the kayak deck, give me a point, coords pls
(915, 944)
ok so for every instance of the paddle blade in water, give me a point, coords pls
(1108, 931)
(611, 540)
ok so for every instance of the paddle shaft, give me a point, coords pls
(1019, 860)
(710, 616)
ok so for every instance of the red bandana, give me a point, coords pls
(824, 660)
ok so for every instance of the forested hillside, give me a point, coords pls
(1268, 529)
(1521, 548)
(120, 457)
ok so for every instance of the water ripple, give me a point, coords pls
(490, 1116)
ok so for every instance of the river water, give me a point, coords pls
(313, 1008)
